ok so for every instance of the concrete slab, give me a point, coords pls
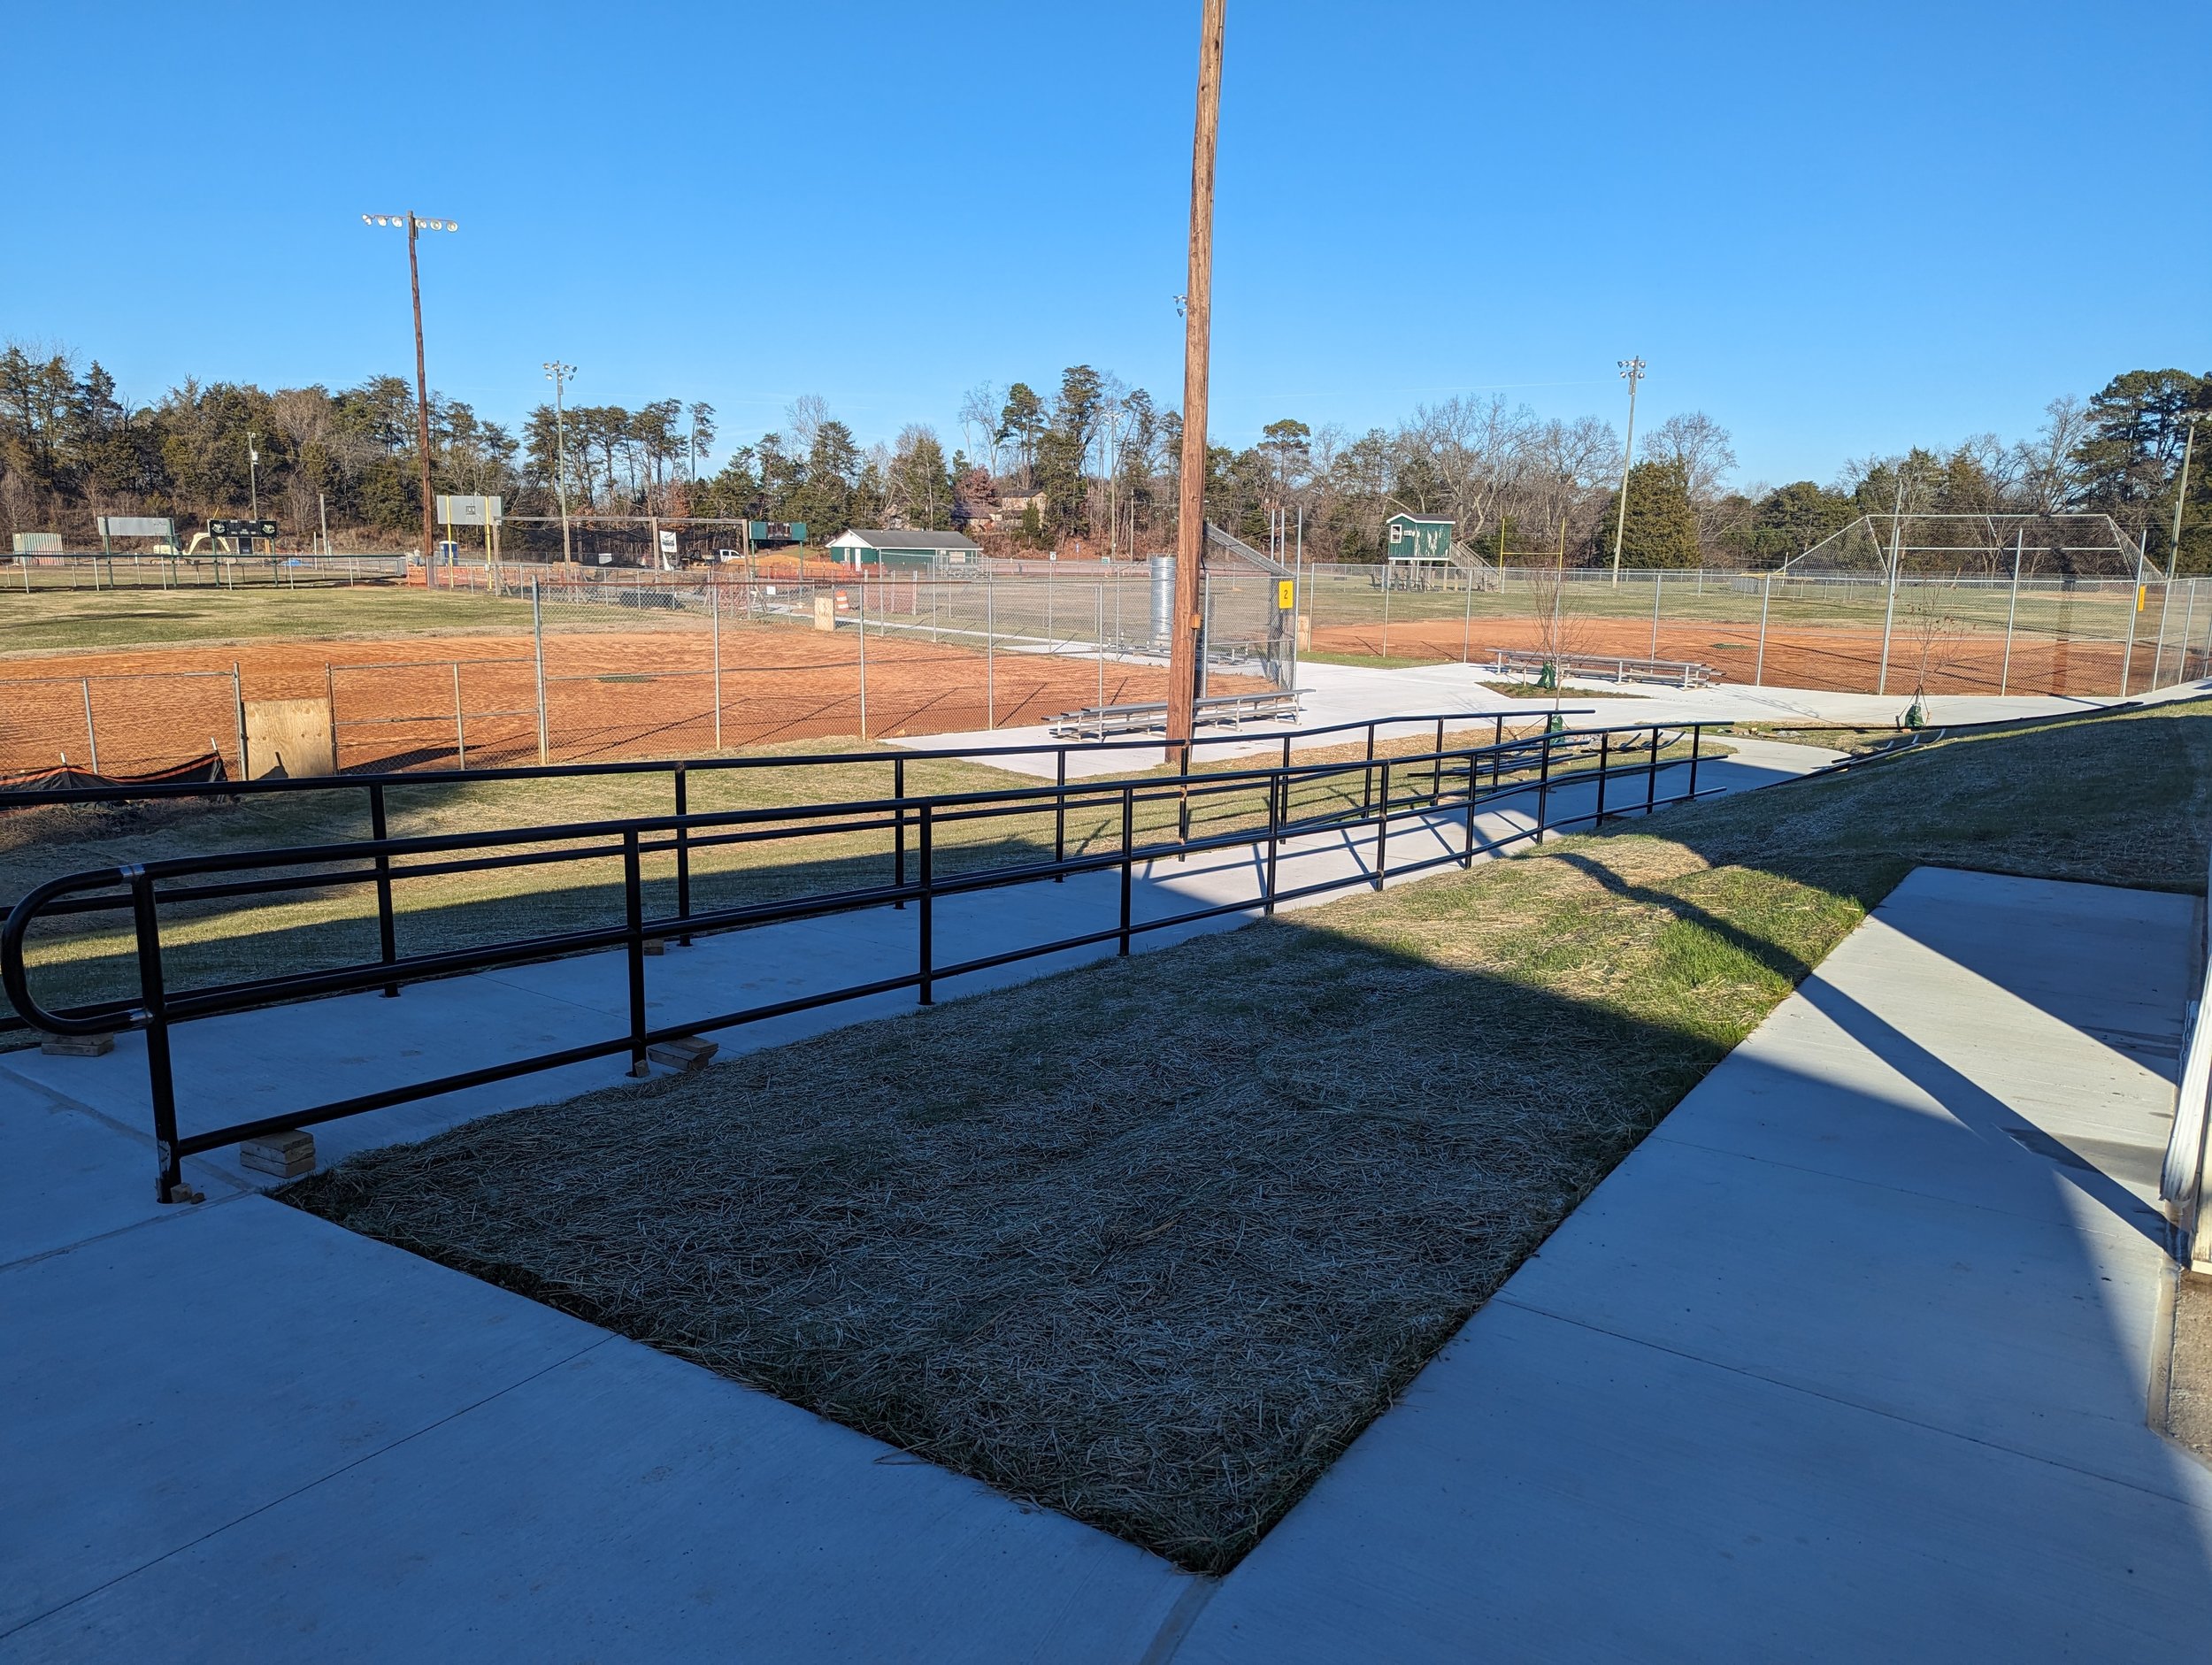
(1547, 1492)
(189, 1372)
(1834, 1366)
(2030, 1334)
(62, 1181)
(625, 1506)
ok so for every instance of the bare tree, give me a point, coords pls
(804, 416)
(1701, 447)
(979, 423)
(2043, 467)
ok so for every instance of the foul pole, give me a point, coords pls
(1190, 526)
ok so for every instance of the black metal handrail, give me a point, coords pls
(1445, 780)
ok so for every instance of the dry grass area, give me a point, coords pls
(1150, 1242)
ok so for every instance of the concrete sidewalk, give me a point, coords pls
(1334, 694)
(1849, 1360)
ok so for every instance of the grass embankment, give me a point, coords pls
(84, 958)
(1151, 1241)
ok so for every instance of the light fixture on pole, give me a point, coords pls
(558, 373)
(1631, 373)
(415, 223)
(253, 474)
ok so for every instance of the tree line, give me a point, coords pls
(1090, 468)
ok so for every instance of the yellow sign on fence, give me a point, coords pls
(1286, 594)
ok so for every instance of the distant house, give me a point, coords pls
(888, 548)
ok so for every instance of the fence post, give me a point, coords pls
(153, 1014)
(1467, 624)
(238, 714)
(990, 657)
(634, 922)
(683, 854)
(928, 910)
(537, 640)
(2188, 625)
(386, 939)
(863, 653)
(2012, 611)
(1658, 584)
(91, 740)
(1098, 629)
(1385, 634)
(460, 726)
(714, 615)
(2135, 606)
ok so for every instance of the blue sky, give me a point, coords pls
(1838, 230)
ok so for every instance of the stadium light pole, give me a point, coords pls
(415, 223)
(2181, 492)
(1190, 526)
(558, 373)
(253, 474)
(1632, 372)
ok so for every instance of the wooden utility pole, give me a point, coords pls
(1190, 526)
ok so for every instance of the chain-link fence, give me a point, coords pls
(632, 662)
(32, 574)
(2047, 633)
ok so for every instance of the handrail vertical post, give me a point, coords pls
(1182, 811)
(160, 1078)
(1382, 829)
(1060, 817)
(928, 898)
(1497, 741)
(1543, 784)
(1474, 770)
(1651, 777)
(1605, 763)
(1128, 856)
(1697, 735)
(634, 922)
(386, 939)
(1274, 829)
(1367, 775)
(1436, 768)
(683, 855)
(898, 829)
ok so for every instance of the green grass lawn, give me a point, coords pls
(1151, 1241)
(87, 620)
